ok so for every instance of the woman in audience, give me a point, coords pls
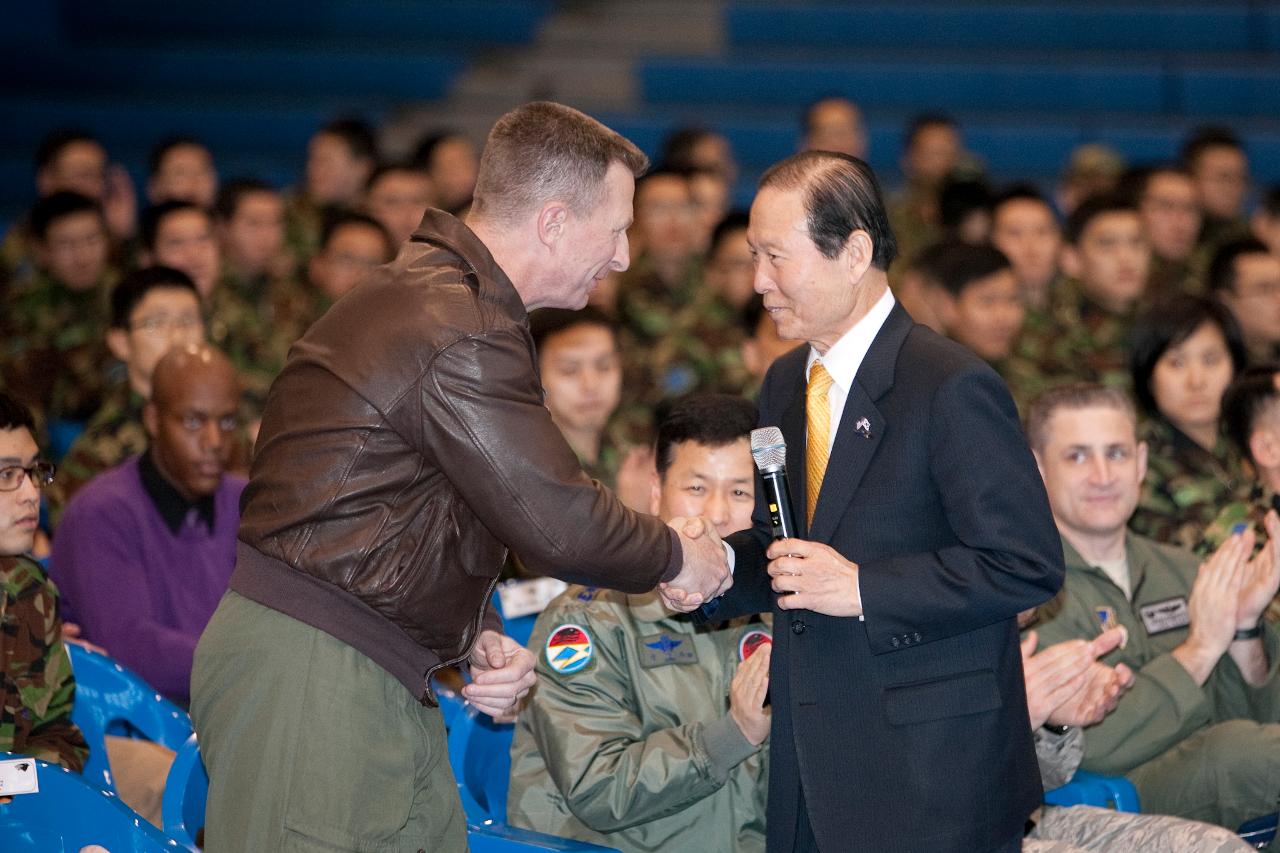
(1185, 352)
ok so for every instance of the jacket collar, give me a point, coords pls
(171, 505)
(447, 232)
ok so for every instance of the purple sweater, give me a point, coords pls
(137, 587)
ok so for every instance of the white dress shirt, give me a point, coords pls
(845, 357)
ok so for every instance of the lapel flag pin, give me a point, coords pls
(863, 427)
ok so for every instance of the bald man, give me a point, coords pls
(145, 550)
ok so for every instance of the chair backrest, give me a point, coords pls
(68, 813)
(112, 700)
(185, 792)
(480, 753)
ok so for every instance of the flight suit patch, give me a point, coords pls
(663, 650)
(569, 649)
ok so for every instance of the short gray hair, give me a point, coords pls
(542, 151)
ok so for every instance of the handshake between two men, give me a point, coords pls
(503, 670)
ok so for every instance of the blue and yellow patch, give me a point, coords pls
(569, 649)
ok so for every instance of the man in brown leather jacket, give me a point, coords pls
(403, 449)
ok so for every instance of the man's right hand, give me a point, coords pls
(705, 572)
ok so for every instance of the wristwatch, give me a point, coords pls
(1248, 633)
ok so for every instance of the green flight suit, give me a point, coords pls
(630, 744)
(1193, 751)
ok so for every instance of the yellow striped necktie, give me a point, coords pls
(817, 415)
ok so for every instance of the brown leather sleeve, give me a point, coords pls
(484, 424)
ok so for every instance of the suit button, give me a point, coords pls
(917, 636)
(797, 627)
(895, 641)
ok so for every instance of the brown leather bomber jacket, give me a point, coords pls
(404, 446)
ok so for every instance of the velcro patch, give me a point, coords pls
(663, 650)
(1167, 615)
(569, 649)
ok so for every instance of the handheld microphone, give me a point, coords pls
(769, 451)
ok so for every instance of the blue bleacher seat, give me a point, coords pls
(68, 813)
(1011, 26)
(1133, 86)
(112, 700)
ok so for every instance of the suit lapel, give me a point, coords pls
(862, 425)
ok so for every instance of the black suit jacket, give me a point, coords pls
(908, 731)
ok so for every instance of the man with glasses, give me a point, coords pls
(144, 552)
(1245, 277)
(152, 310)
(36, 684)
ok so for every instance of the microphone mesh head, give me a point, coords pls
(768, 449)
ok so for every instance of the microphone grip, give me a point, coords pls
(778, 498)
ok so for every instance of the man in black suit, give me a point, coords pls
(899, 713)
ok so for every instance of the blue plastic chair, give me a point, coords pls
(186, 791)
(510, 839)
(451, 702)
(1094, 789)
(480, 754)
(69, 813)
(1260, 831)
(112, 700)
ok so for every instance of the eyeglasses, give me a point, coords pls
(160, 325)
(41, 474)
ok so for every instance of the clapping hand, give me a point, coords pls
(1260, 578)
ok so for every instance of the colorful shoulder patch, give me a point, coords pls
(751, 641)
(569, 649)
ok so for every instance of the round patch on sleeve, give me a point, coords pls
(751, 641)
(568, 649)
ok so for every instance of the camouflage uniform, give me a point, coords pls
(53, 354)
(256, 344)
(1249, 512)
(914, 225)
(36, 685)
(1169, 278)
(113, 434)
(1076, 340)
(673, 340)
(1073, 829)
(1186, 485)
(1086, 828)
(303, 222)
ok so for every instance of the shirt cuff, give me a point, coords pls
(729, 555)
(726, 746)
